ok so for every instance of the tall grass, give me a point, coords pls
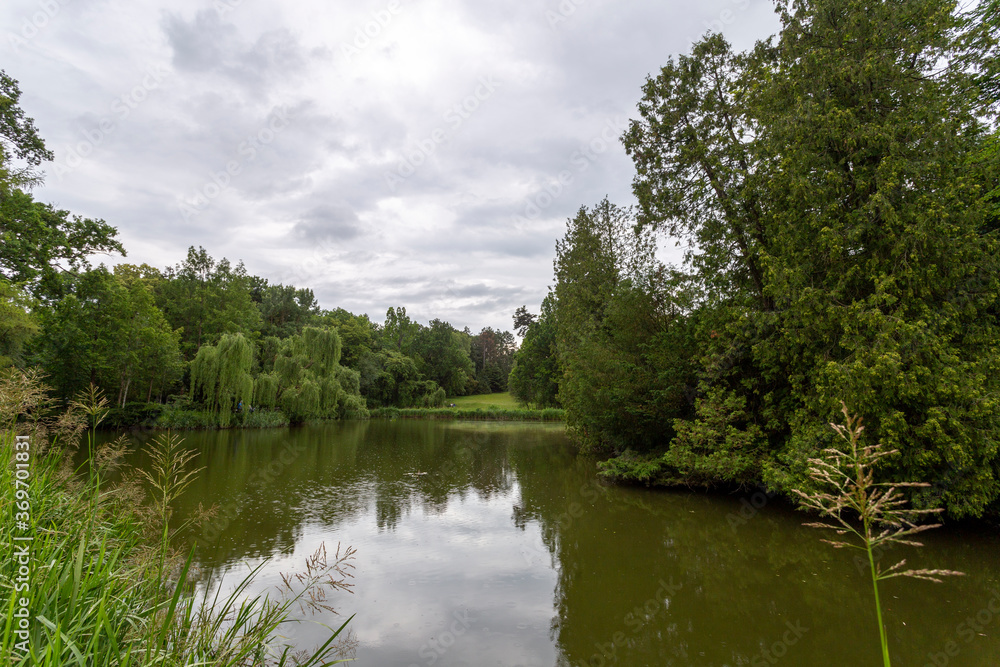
(178, 419)
(106, 587)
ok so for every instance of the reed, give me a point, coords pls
(105, 587)
(869, 515)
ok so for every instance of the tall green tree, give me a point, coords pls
(396, 380)
(981, 56)
(310, 381)
(150, 350)
(885, 284)
(399, 331)
(620, 334)
(220, 376)
(41, 245)
(534, 377)
(492, 354)
(829, 184)
(22, 149)
(442, 355)
(286, 310)
(108, 331)
(360, 336)
(699, 176)
(207, 298)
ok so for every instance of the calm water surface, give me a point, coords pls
(495, 544)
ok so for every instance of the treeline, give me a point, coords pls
(203, 341)
(206, 335)
(836, 192)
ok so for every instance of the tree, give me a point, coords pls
(19, 140)
(621, 334)
(399, 331)
(359, 334)
(523, 320)
(492, 354)
(697, 169)
(108, 331)
(42, 245)
(17, 324)
(884, 279)
(39, 242)
(442, 355)
(285, 310)
(148, 347)
(311, 383)
(220, 376)
(828, 180)
(534, 376)
(206, 299)
(982, 52)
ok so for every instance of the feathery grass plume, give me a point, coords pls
(27, 408)
(241, 630)
(318, 578)
(168, 477)
(852, 494)
(92, 403)
(21, 393)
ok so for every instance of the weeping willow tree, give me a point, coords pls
(220, 376)
(311, 382)
(265, 391)
(300, 375)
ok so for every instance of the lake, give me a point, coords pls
(486, 543)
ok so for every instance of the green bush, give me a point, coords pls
(132, 414)
(183, 420)
(353, 406)
(261, 419)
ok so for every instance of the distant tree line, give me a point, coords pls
(209, 330)
(837, 192)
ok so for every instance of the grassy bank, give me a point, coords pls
(90, 574)
(171, 417)
(486, 401)
(483, 407)
(480, 414)
(194, 419)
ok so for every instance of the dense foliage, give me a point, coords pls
(534, 377)
(836, 189)
(108, 331)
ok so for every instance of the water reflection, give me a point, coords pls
(494, 544)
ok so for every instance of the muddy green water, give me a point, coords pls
(495, 544)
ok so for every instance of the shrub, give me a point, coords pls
(132, 414)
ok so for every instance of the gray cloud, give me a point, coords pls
(465, 230)
(210, 44)
(327, 222)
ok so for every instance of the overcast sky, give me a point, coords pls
(419, 154)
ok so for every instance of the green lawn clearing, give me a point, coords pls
(502, 400)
